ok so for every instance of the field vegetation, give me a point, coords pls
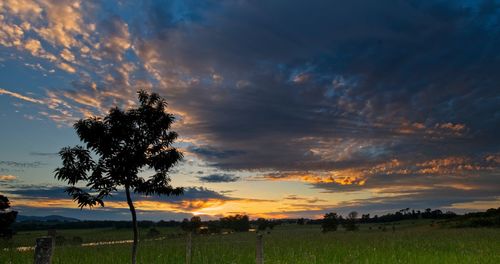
(411, 241)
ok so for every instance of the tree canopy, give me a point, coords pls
(7, 217)
(125, 142)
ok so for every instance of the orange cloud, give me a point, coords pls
(453, 127)
(493, 158)
(342, 177)
(439, 129)
(7, 177)
(477, 205)
(20, 96)
(449, 165)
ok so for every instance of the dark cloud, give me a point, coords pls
(44, 154)
(217, 178)
(115, 214)
(321, 74)
(308, 200)
(212, 153)
(312, 87)
(57, 192)
(19, 164)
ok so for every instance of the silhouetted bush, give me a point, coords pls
(238, 223)
(350, 222)
(192, 225)
(490, 218)
(153, 232)
(60, 240)
(330, 222)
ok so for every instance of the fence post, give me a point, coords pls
(259, 253)
(189, 242)
(43, 250)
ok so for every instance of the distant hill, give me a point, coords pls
(48, 218)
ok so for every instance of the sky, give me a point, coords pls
(285, 109)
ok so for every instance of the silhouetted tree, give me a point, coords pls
(350, 222)
(123, 144)
(365, 218)
(262, 224)
(238, 223)
(7, 217)
(330, 222)
(213, 227)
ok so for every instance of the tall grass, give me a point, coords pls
(298, 244)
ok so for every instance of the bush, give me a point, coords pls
(330, 222)
(153, 232)
(77, 240)
(350, 223)
(238, 223)
(60, 240)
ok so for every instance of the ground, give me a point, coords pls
(411, 242)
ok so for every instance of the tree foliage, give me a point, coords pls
(350, 222)
(263, 224)
(124, 142)
(192, 225)
(7, 217)
(238, 223)
(330, 222)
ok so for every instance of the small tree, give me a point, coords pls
(124, 143)
(330, 222)
(350, 222)
(7, 218)
(238, 223)
(262, 224)
(192, 225)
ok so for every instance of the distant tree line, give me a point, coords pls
(235, 223)
(490, 218)
(331, 221)
(242, 223)
(403, 214)
(407, 214)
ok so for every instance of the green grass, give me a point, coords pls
(411, 243)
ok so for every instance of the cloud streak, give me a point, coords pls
(20, 96)
(218, 178)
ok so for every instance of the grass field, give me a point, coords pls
(410, 243)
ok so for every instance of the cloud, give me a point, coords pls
(7, 177)
(19, 164)
(66, 67)
(217, 178)
(44, 154)
(32, 199)
(20, 96)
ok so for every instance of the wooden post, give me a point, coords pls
(259, 253)
(43, 250)
(189, 242)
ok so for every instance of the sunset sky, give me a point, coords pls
(284, 108)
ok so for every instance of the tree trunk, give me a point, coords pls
(134, 224)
